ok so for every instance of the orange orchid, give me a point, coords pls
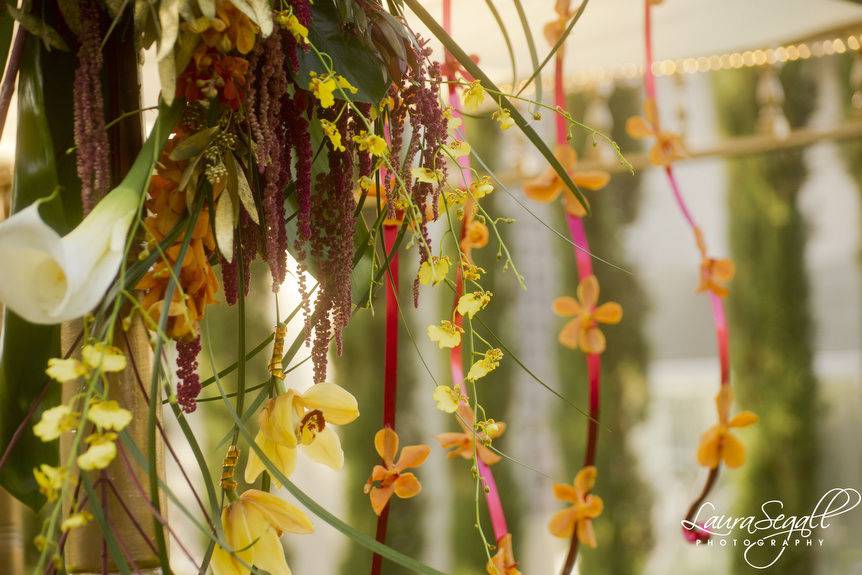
(228, 30)
(503, 562)
(462, 444)
(718, 443)
(577, 518)
(583, 332)
(714, 273)
(548, 186)
(668, 145)
(476, 235)
(554, 29)
(390, 478)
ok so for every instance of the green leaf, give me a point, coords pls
(26, 347)
(38, 27)
(352, 57)
(6, 25)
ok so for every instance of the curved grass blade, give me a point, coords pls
(503, 30)
(531, 46)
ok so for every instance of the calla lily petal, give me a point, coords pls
(49, 279)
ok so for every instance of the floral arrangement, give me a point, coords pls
(283, 128)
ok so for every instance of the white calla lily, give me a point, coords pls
(48, 278)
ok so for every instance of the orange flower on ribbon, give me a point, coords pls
(390, 478)
(577, 518)
(714, 273)
(554, 29)
(668, 146)
(476, 235)
(548, 186)
(718, 443)
(462, 444)
(503, 562)
(583, 332)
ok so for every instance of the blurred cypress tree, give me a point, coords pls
(495, 389)
(624, 538)
(771, 326)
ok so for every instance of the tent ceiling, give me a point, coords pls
(610, 33)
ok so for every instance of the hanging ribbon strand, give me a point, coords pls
(717, 444)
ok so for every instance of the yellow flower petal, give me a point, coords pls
(109, 415)
(638, 128)
(481, 187)
(708, 452)
(412, 456)
(562, 523)
(732, 451)
(471, 303)
(278, 512)
(75, 520)
(743, 419)
(380, 496)
(331, 131)
(55, 421)
(585, 480)
(326, 449)
(282, 456)
(269, 554)
(50, 480)
(457, 148)
(566, 306)
(588, 292)
(447, 398)
(586, 535)
(592, 340)
(446, 335)
(426, 175)
(434, 270)
(64, 370)
(337, 404)
(503, 118)
(474, 95)
(105, 357)
(100, 454)
(610, 313)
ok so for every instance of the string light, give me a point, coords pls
(727, 61)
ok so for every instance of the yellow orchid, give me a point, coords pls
(445, 335)
(288, 20)
(76, 520)
(714, 274)
(426, 175)
(583, 331)
(331, 131)
(50, 480)
(453, 122)
(474, 95)
(503, 562)
(718, 443)
(548, 186)
(55, 421)
(457, 148)
(324, 87)
(503, 118)
(252, 526)
(434, 270)
(109, 415)
(489, 362)
(101, 452)
(462, 444)
(481, 187)
(471, 303)
(293, 419)
(668, 146)
(97, 356)
(371, 143)
(446, 398)
(471, 271)
(585, 507)
(390, 478)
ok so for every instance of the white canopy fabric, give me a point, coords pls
(610, 33)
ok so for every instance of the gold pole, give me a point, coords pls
(131, 517)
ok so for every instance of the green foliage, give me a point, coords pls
(44, 132)
(771, 323)
(353, 59)
(624, 538)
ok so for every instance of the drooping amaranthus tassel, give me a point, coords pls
(266, 121)
(229, 277)
(91, 136)
(189, 385)
(249, 239)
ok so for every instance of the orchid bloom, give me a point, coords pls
(50, 279)
(714, 274)
(554, 29)
(252, 526)
(293, 419)
(462, 444)
(503, 562)
(390, 478)
(578, 517)
(718, 443)
(668, 145)
(548, 186)
(583, 331)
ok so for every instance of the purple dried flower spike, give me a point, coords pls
(189, 385)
